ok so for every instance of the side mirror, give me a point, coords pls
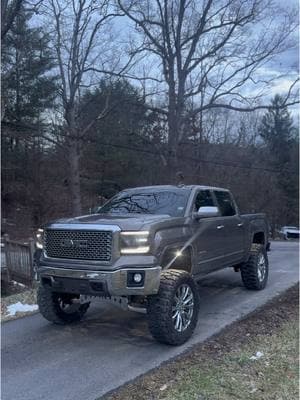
(206, 212)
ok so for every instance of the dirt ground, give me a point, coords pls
(272, 322)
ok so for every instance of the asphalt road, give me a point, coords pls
(111, 347)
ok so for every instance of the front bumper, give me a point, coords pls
(111, 283)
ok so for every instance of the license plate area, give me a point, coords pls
(78, 286)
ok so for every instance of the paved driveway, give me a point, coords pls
(110, 347)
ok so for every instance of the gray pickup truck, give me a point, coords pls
(144, 250)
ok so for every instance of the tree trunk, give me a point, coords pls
(175, 121)
(172, 159)
(74, 174)
(173, 133)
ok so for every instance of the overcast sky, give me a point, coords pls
(286, 64)
(284, 67)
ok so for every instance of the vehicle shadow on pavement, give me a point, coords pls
(107, 322)
(104, 321)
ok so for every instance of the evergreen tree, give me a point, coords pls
(28, 91)
(278, 131)
(108, 159)
(28, 88)
(281, 138)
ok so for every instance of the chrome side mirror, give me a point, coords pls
(206, 212)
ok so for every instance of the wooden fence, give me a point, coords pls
(17, 261)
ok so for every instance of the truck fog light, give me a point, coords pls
(137, 278)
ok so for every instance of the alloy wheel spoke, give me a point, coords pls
(178, 317)
(261, 268)
(259, 274)
(186, 292)
(182, 309)
(184, 318)
(180, 322)
(188, 299)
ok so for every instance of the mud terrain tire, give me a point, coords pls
(256, 270)
(178, 294)
(50, 306)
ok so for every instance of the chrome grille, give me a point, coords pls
(78, 245)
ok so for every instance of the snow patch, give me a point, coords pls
(257, 356)
(19, 307)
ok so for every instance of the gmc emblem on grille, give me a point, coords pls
(74, 244)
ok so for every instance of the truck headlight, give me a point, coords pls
(134, 242)
(40, 238)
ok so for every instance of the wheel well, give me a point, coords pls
(259, 238)
(182, 261)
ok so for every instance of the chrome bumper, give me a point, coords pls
(115, 282)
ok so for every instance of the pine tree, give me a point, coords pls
(28, 88)
(281, 138)
(107, 153)
(28, 92)
(278, 132)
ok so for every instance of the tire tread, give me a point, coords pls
(159, 308)
(249, 269)
(50, 309)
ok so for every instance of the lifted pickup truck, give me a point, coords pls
(144, 250)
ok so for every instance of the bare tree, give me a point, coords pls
(82, 39)
(208, 54)
(9, 11)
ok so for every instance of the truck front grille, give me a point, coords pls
(78, 245)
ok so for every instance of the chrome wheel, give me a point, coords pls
(261, 268)
(182, 308)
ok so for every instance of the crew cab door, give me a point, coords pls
(230, 229)
(207, 239)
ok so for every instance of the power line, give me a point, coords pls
(198, 160)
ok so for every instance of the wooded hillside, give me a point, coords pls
(100, 96)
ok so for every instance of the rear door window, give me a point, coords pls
(225, 203)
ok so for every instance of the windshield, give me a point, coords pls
(172, 203)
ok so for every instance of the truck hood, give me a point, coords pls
(129, 222)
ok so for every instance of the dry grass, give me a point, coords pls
(25, 297)
(235, 376)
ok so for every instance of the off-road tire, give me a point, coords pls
(249, 270)
(49, 306)
(159, 308)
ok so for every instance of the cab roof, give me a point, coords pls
(173, 187)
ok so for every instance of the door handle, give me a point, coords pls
(240, 224)
(220, 226)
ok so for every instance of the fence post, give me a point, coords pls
(7, 256)
(31, 257)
